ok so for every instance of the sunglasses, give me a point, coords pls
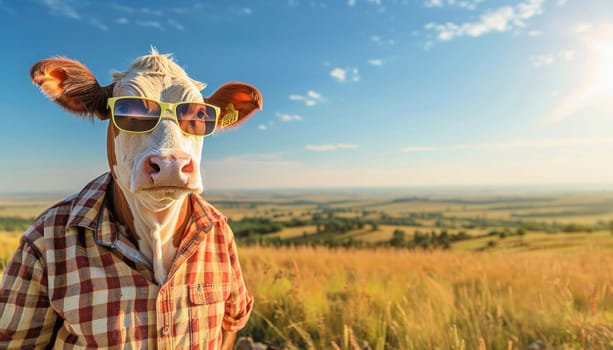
(134, 114)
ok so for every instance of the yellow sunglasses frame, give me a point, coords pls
(164, 106)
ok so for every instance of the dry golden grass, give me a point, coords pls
(398, 299)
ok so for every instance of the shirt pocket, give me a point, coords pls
(206, 311)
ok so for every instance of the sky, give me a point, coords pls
(357, 93)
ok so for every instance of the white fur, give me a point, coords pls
(157, 212)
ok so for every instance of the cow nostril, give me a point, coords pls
(153, 167)
(188, 168)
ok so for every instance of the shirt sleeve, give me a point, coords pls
(27, 319)
(240, 302)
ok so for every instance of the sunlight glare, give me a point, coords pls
(602, 82)
(597, 89)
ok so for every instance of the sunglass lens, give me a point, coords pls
(135, 114)
(196, 118)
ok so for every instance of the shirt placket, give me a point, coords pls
(164, 319)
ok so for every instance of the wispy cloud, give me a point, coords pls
(582, 27)
(376, 62)
(499, 20)
(122, 8)
(262, 127)
(539, 61)
(433, 3)
(381, 41)
(311, 98)
(151, 24)
(567, 55)
(350, 74)
(331, 147)
(176, 25)
(242, 11)
(63, 8)
(288, 117)
(151, 12)
(515, 144)
(534, 33)
(6, 9)
(465, 4)
(351, 3)
(96, 23)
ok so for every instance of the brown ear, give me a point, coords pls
(238, 101)
(71, 85)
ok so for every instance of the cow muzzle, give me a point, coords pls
(176, 172)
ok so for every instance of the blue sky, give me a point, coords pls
(373, 93)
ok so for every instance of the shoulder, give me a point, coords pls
(50, 222)
(212, 213)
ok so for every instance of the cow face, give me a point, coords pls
(161, 165)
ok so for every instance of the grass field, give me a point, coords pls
(552, 285)
(312, 298)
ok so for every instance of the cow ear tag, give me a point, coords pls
(230, 117)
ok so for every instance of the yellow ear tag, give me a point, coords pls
(230, 117)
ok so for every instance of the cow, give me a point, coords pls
(137, 259)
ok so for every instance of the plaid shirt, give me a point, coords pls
(75, 280)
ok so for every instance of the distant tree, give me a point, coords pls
(398, 239)
(611, 226)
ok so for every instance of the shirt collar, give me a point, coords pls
(89, 210)
(89, 203)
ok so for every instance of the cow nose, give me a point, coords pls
(169, 170)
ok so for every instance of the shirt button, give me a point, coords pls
(165, 330)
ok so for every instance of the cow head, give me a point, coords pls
(156, 167)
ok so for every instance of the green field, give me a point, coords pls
(335, 270)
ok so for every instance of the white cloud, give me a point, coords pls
(535, 33)
(562, 2)
(122, 20)
(151, 12)
(311, 98)
(122, 8)
(339, 74)
(351, 3)
(499, 20)
(380, 41)
(433, 3)
(98, 24)
(567, 55)
(376, 62)
(465, 4)
(541, 60)
(247, 10)
(581, 27)
(176, 25)
(515, 144)
(151, 24)
(288, 117)
(262, 127)
(345, 74)
(327, 148)
(314, 95)
(62, 8)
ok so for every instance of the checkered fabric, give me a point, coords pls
(76, 281)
